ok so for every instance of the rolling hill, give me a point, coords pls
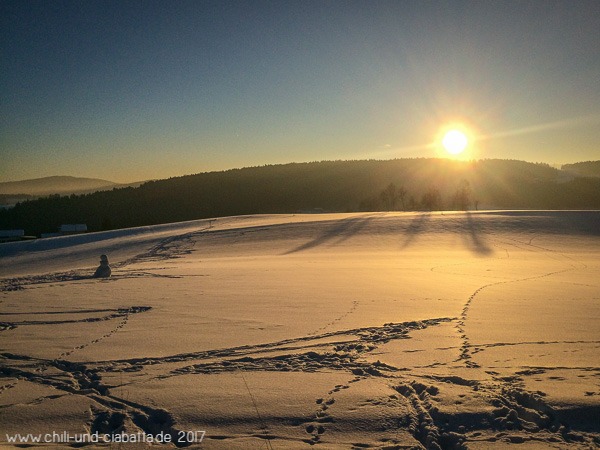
(334, 186)
(54, 185)
(583, 169)
(13, 192)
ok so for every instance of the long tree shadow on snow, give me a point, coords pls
(417, 226)
(469, 229)
(473, 238)
(341, 231)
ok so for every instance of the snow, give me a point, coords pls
(286, 331)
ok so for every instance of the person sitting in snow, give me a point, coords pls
(103, 270)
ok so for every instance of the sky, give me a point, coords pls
(135, 90)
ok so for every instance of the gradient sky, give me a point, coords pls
(133, 90)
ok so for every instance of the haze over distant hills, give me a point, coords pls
(334, 186)
(54, 185)
(12, 192)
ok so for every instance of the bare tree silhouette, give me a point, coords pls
(462, 196)
(432, 199)
(402, 195)
(389, 197)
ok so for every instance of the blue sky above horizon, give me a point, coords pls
(133, 90)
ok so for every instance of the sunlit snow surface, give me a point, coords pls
(377, 330)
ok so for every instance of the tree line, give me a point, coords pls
(583, 169)
(335, 186)
(394, 198)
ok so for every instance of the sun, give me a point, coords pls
(455, 141)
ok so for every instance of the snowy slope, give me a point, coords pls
(346, 330)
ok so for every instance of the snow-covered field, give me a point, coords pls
(376, 330)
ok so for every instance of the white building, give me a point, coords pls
(72, 228)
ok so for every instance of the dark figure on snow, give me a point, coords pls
(103, 270)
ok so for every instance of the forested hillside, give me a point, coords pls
(401, 184)
(583, 169)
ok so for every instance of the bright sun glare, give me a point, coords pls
(455, 142)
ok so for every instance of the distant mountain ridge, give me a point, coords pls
(54, 185)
